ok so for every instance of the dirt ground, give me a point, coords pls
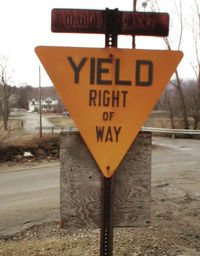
(175, 215)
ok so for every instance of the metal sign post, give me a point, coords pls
(107, 197)
(107, 201)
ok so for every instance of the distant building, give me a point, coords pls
(48, 105)
(33, 105)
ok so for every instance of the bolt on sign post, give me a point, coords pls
(108, 92)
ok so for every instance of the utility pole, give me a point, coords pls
(133, 37)
(40, 105)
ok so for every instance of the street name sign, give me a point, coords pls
(100, 21)
(109, 93)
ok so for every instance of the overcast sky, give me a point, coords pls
(25, 24)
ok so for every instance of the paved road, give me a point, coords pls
(28, 196)
(177, 162)
(176, 158)
(31, 195)
(32, 120)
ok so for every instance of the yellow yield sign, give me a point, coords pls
(109, 93)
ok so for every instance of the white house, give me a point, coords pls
(48, 105)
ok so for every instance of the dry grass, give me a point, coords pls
(14, 148)
(14, 131)
(4, 135)
(17, 135)
(52, 241)
(49, 247)
(162, 238)
(162, 120)
(13, 124)
(62, 121)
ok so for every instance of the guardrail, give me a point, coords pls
(171, 131)
(147, 129)
(54, 128)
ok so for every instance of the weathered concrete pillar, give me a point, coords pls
(80, 184)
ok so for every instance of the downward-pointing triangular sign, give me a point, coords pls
(109, 93)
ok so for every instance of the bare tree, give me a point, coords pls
(195, 28)
(5, 91)
(153, 5)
